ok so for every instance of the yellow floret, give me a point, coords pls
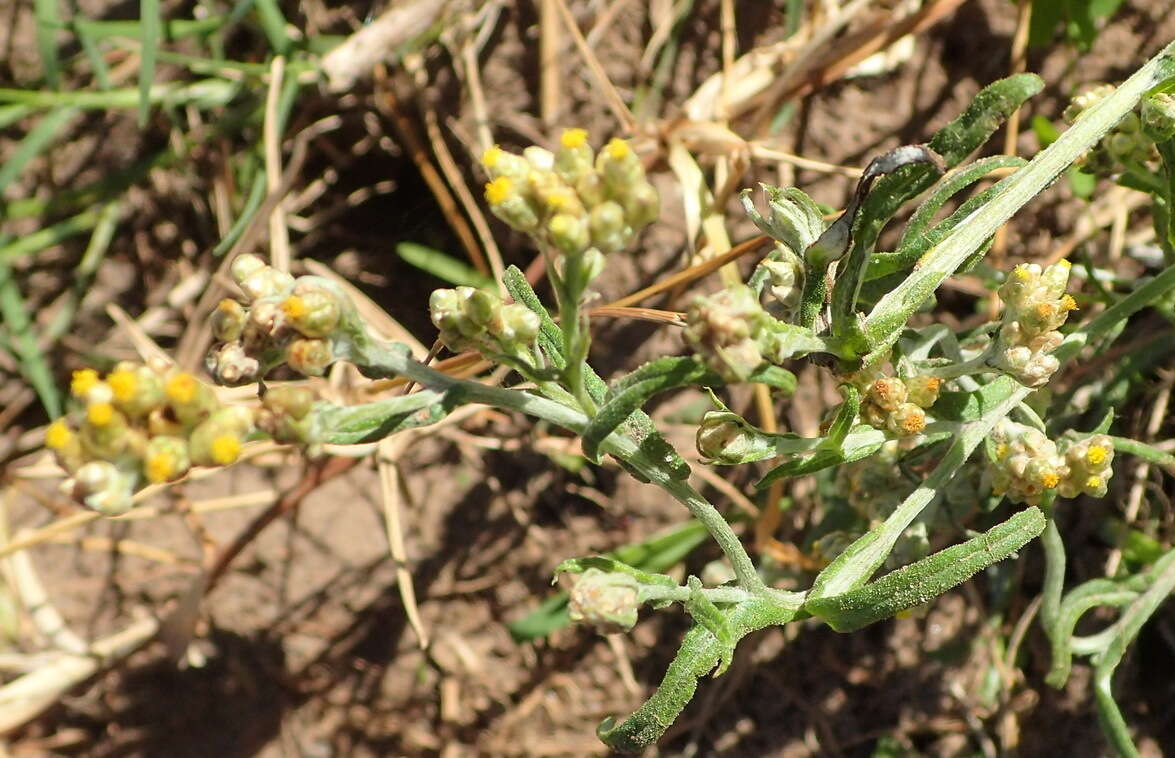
(1065, 262)
(1045, 310)
(181, 389)
(123, 385)
(499, 190)
(618, 149)
(490, 157)
(100, 414)
(294, 307)
(1068, 303)
(225, 449)
(573, 138)
(160, 467)
(1094, 483)
(1001, 451)
(1022, 272)
(1050, 480)
(83, 381)
(58, 435)
(558, 201)
(560, 224)
(1096, 455)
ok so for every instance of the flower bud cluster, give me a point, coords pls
(473, 319)
(897, 405)
(1026, 463)
(295, 321)
(1035, 306)
(1129, 142)
(286, 416)
(141, 423)
(723, 329)
(573, 199)
(1087, 467)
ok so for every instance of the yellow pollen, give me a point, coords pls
(1068, 303)
(58, 435)
(83, 381)
(160, 467)
(491, 157)
(1001, 451)
(1050, 480)
(294, 307)
(1096, 455)
(499, 190)
(1045, 310)
(618, 149)
(558, 201)
(573, 138)
(1022, 273)
(100, 414)
(914, 424)
(225, 449)
(123, 384)
(1064, 262)
(181, 389)
(1093, 483)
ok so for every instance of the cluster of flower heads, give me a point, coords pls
(1125, 144)
(141, 423)
(896, 404)
(726, 330)
(1026, 464)
(288, 320)
(1035, 306)
(473, 319)
(572, 199)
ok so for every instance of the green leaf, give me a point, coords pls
(443, 266)
(928, 578)
(631, 392)
(839, 446)
(368, 422)
(968, 406)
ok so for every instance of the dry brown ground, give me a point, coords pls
(304, 648)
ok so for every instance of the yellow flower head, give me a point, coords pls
(499, 190)
(84, 380)
(573, 138)
(123, 385)
(225, 449)
(1001, 451)
(294, 307)
(1022, 272)
(1068, 303)
(618, 149)
(1094, 483)
(491, 157)
(58, 435)
(181, 388)
(1045, 311)
(161, 467)
(100, 414)
(1096, 455)
(1050, 480)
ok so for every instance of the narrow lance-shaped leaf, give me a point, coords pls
(928, 578)
(664, 374)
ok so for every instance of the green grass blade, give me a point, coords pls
(34, 143)
(49, 236)
(151, 28)
(48, 23)
(24, 343)
(442, 266)
(273, 24)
